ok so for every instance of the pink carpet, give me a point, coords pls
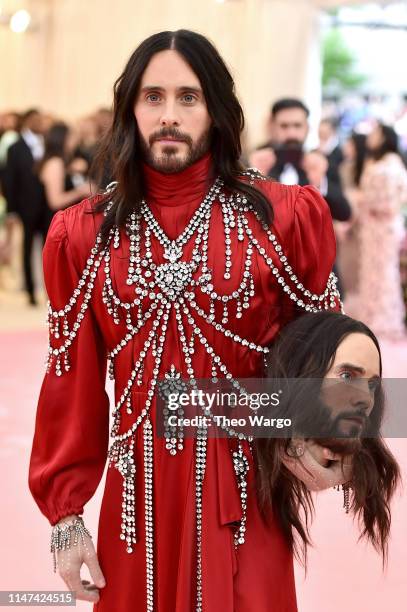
(343, 576)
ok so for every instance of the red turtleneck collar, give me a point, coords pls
(182, 188)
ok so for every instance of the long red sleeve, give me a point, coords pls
(72, 424)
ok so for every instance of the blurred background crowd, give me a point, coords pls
(324, 92)
(45, 166)
(359, 166)
(325, 103)
(357, 162)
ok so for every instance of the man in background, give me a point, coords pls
(330, 147)
(24, 192)
(282, 157)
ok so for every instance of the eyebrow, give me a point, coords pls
(352, 366)
(286, 124)
(197, 90)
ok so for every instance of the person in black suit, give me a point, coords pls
(283, 156)
(316, 167)
(24, 192)
(329, 146)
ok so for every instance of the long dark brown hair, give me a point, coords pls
(121, 145)
(55, 142)
(359, 143)
(306, 348)
(390, 143)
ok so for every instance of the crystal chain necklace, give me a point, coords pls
(171, 289)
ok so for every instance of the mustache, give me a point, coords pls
(321, 421)
(293, 143)
(170, 133)
(352, 415)
(332, 437)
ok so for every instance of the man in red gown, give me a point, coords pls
(187, 266)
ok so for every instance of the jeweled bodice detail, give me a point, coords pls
(177, 286)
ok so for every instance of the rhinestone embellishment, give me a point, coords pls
(173, 278)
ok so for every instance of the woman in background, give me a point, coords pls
(378, 301)
(64, 177)
(347, 234)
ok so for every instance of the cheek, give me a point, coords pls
(207, 121)
(196, 122)
(371, 404)
(145, 120)
(197, 119)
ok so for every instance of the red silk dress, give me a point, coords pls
(72, 425)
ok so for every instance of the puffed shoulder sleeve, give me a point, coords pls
(314, 245)
(312, 284)
(72, 423)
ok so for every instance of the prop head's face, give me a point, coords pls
(171, 113)
(348, 389)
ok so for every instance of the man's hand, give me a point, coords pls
(315, 166)
(316, 466)
(263, 160)
(69, 565)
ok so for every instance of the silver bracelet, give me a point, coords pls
(61, 538)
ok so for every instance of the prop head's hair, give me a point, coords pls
(305, 349)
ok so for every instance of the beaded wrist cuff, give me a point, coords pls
(61, 536)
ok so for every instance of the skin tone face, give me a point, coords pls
(289, 125)
(171, 113)
(34, 123)
(357, 366)
(315, 165)
(10, 122)
(325, 131)
(375, 138)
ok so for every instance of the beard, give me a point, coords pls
(323, 417)
(330, 432)
(170, 161)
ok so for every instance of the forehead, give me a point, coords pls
(361, 351)
(291, 115)
(168, 69)
(325, 126)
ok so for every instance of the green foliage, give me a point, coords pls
(333, 12)
(339, 64)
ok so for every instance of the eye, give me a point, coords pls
(346, 375)
(188, 98)
(153, 97)
(374, 384)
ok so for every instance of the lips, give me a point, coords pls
(169, 140)
(360, 421)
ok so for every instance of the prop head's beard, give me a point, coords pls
(170, 161)
(342, 431)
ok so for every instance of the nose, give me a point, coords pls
(362, 398)
(290, 132)
(170, 117)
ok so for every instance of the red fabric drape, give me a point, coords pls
(70, 444)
